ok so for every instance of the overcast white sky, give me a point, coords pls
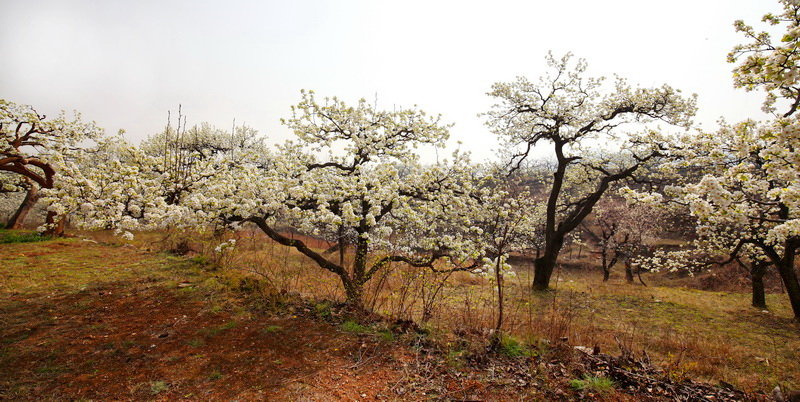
(125, 63)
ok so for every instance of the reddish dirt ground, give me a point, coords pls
(123, 342)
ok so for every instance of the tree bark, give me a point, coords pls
(354, 293)
(355, 287)
(499, 277)
(757, 271)
(342, 245)
(639, 274)
(54, 228)
(27, 205)
(628, 271)
(606, 268)
(789, 278)
(542, 270)
(544, 265)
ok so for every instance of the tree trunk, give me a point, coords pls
(354, 292)
(542, 271)
(499, 276)
(639, 274)
(355, 286)
(342, 246)
(544, 265)
(789, 278)
(757, 271)
(27, 205)
(628, 271)
(606, 267)
(54, 228)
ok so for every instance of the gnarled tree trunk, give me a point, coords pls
(25, 207)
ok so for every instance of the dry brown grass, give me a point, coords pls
(713, 336)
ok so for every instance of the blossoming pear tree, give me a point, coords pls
(571, 113)
(770, 65)
(510, 221)
(747, 202)
(114, 185)
(182, 155)
(31, 146)
(127, 188)
(352, 173)
(623, 232)
(750, 178)
(746, 198)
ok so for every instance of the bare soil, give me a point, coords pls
(140, 342)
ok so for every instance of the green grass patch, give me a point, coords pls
(353, 327)
(600, 385)
(9, 236)
(221, 328)
(455, 358)
(200, 260)
(50, 369)
(386, 335)
(323, 310)
(157, 387)
(70, 265)
(511, 347)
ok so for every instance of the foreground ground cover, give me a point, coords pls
(714, 336)
(89, 320)
(82, 320)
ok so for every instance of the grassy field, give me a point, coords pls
(714, 336)
(82, 319)
(708, 335)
